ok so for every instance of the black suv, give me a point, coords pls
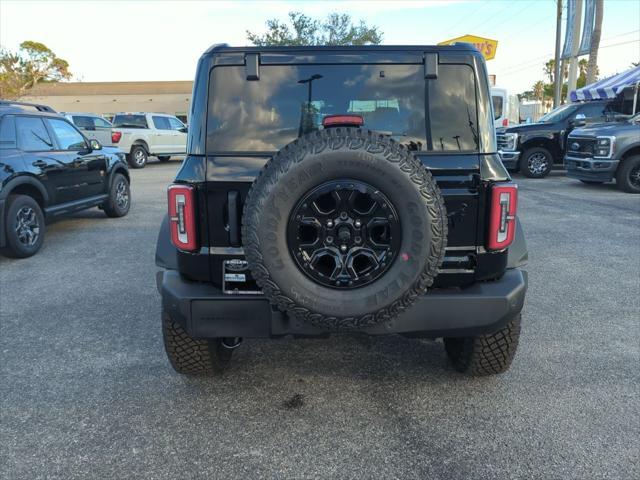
(341, 189)
(48, 168)
(534, 148)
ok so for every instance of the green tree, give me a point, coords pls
(335, 29)
(538, 90)
(33, 63)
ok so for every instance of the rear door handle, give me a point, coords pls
(39, 163)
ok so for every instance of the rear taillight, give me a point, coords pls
(502, 221)
(505, 122)
(182, 218)
(116, 136)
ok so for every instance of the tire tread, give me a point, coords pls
(335, 139)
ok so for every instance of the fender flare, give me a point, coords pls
(118, 168)
(166, 253)
(24, 180)
(141, 142)
(518, 254)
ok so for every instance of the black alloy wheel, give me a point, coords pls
(24, 227)
(536, 163)
(344, 234)
(628, 174)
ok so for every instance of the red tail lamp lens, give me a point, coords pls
(182, 218)
(502, 222)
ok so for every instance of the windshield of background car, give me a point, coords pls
(291, 100)
(558, 114)
(130, 121)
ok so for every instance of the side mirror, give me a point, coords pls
(580, 120)
(95, 144)
(184, 129)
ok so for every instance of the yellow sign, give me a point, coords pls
(485, 46)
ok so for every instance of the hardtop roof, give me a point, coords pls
(458, 47)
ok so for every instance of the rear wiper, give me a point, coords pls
(48, 144)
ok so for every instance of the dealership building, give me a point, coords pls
(108, 98)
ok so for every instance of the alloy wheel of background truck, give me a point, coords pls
(138, 157)
(536, 162)
(25, 227)
(344, 228)
(628, 175)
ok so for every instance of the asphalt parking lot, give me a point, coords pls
(86, 390)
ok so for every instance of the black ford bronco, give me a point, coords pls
(48, 169)
(341, 189)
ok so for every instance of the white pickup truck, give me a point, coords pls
(141, 135)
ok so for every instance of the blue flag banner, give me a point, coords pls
(569, 33)
(587, 29)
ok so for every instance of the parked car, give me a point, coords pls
(94, 127)
(534, 148)
(141, 135)
(600, 153)
(324, 192)
(49, 168)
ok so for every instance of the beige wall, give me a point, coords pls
(111, 97)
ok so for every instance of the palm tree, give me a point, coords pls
(592, 70)
(538, 90)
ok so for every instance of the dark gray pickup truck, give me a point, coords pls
(600, 153)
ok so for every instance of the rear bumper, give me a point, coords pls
(205, 312)
(590, 169)
(510, 159)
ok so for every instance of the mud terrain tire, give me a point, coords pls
(349, 155)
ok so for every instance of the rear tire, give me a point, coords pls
(536, 162)
(193, 356)
(119, 200)
(628, 175)
(485, 354)
(25, 227)
(138, 157)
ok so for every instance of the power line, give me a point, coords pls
(533, 62)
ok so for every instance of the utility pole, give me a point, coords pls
(573, 66)
(557, 75)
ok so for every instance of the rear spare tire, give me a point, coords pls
(344, 228)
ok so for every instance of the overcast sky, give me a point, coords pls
(162, 40)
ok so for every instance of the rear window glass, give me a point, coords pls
(130, 121)
(32, 134)
(289, 101)
(7, 132)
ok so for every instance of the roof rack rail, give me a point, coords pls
(40, 108)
